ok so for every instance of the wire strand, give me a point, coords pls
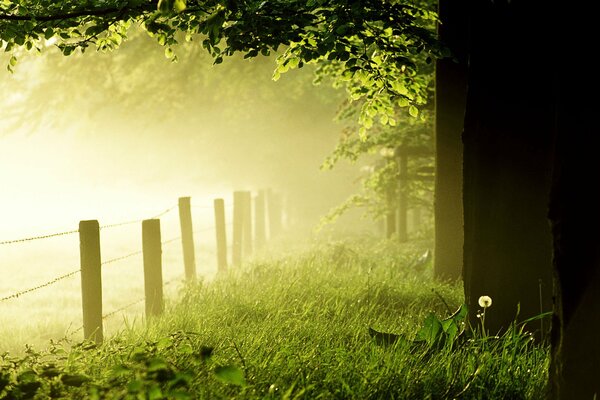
(28, 239)
(114, 260)
(43, 285)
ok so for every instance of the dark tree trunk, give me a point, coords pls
(575, 216)
(450, 96)
(507, 154)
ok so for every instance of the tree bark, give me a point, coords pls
(450, 97)
(575, 217)
(507, 157)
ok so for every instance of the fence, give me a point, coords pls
(91, 263)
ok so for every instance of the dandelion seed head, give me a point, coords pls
(485, 301)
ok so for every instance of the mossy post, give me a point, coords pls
(238, 226)
(260, 220)
(153, 281)
(187, 238)
(91, 280)
(247, 229)
(221, 235)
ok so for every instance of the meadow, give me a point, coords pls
(346, 320)
(55, 311)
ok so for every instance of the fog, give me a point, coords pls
(119, 137)
(122, 135)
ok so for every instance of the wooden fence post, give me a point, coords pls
(403, 198)
(247, 230)
(153, 281)
(187, 238)
(221, 235)
(274, 207)
(91, 280)
(260, 220)
(238, 226)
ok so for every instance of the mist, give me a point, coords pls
(119, 137)
(112, 136)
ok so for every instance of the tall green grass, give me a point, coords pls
(294, 327)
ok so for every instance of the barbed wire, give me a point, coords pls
(121, 224)
(136, 221)
(125, 307)
(168, 210)
(43, 285)
(114, 260)
(51, 235)
(171, 240)
(28, 239)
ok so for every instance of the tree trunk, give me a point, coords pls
(450, 96)
(507, 153)
(575, 216)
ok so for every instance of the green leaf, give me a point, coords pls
(179, 6)
(413, 111)
(135, 386)
(230, 374)
(157, 364)
(48, 33)
(164, 343)
(430, 331)
(165, 6)
(74, 380)
(169, 52)
(154, 393)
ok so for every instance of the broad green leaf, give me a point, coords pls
(431, 330)
(157, 364)
(179, 5)
(231, 374)
(74, 380)
(154, 393)
(413, 111)
(164, 343)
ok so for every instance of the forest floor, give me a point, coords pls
(347, 320)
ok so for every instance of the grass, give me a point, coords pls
(295, 327)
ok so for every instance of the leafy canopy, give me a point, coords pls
(373, 42)
(379, 50)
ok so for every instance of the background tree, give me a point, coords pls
(450, 98)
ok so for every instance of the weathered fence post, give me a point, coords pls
(238, 226)
(274, 207)
(187, 238)
(221, 235)
(403, 198)
(247, 230)
(260, 220)
(91, 280)
(153, 282)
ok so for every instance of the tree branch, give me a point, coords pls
(70, 15)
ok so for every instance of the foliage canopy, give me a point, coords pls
(374, 42)
(380, 51)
